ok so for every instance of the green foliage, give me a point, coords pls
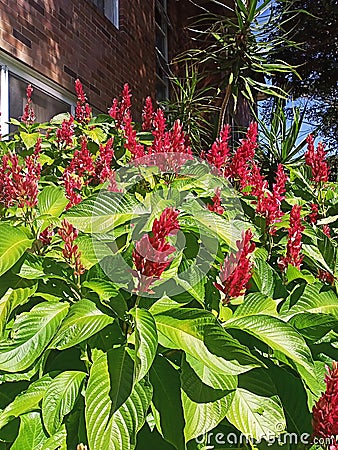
(86, 358)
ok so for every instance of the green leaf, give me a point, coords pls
(167, 403)
(315, 299)
(313, 326)
(32, 332)
(92, 250)
(198, 333)
(255, 303)
(278, 335)
(83, 321)
(192, 280)
(59, 118)
(204, 406)
(11, 300)
(13, 243)
(52, 201)
(96, 134)
(109, 294)
(145, 341)
(294, 400)
(60, 398)
(31, 434)
(29, 139)
(26, 401)
(165, 303)
(107, 427)
(58, 441)
(103, 212)
(263, 276)
(292, 273)
(256, 410)
(215, 224)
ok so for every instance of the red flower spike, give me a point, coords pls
(120, 110)
(131, 144)
(316, 160)
(216, 205)
(236, 269)
(113, 187)
(28, 116)
(326, 277)
(218, 155)
(325, 411)
(151, 254)
(313, 216)
(46, 236)
(82, 162)
(83, 111)
(73, 185)
(327, 231)
(71, 252)
(239, 169)
(19, 184)
(64, 134)
(103, 162)
(294, 246)
(269, 203)
(147, 115)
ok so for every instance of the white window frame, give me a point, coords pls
(111, 11)
(10, 65)
(163, 9)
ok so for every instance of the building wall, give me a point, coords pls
(68, 39)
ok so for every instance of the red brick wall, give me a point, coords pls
(66, 39)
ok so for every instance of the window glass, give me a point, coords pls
(44, 105)
(110, 8)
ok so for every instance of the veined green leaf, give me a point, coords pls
(12, 299)
(29, 139)
(103, 212)
(278, 335)
(32, 331)
(26, 401)
(255, 415)
(264, 277)
(52, 201)
(198, 334)
(58, 441)
(60, 398)
(13, 243)
(145, 341)
(109, 294)
(110, 428)
(96, 134)
(92, 250)
(314, 299)
(167, 403)
(255, 303)
(83, 321)
(204, 406)
(31, 433)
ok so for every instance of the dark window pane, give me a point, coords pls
(99, 4)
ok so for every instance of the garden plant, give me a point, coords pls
(150, 298)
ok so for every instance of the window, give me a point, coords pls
(48, 98)
(161, 22)
(110, 8)
(45, 106)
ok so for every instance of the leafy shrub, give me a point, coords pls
(145, 302)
